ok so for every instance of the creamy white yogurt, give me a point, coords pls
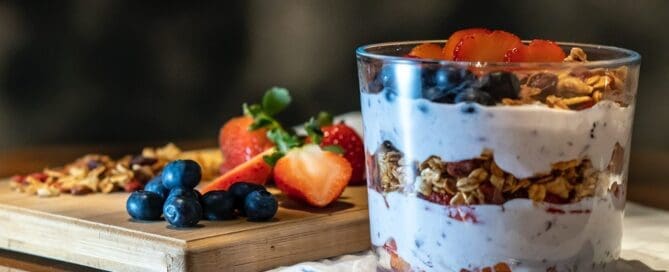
(525, 140)
(528, 236)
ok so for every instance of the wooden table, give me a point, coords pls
(648, 185)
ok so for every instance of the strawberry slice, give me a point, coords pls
(536, 51)
(354, 151)
(488, 47)
(312, 175)
(455, 38)
(239, 144)
(255, 170)
(426, 51)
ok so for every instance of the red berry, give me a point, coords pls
(489, 47)
(312, 175)
(455, 38)
(536, 51)
(255, 170)
(354, 151)
(427, 51)
(133, 185)
(442, 199)
(238, 144)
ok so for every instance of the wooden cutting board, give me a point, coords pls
(95, 230)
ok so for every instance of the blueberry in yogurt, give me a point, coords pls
(442, 84)
(472, 95)
(500, 85)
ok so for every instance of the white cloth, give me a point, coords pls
(645, 247)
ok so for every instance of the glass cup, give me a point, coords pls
(475, 166)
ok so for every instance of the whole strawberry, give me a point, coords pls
(354, 151)
(244, 137)
(239, 144)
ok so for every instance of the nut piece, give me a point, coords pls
(461, 168)
(576, 55)
(544, 81)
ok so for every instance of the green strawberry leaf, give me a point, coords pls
(324, 119)
(262, 120)
(283, 140)
(273, 158)
(275, 100)
(252, 110)
(314, 131)
(334, 148)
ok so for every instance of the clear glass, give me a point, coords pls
(531, 178)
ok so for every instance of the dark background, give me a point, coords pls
(110, 72)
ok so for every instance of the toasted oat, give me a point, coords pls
(537, 192)
(467, 184)
(98, 173)
(574, 101)
(479, 174)
(560, 186)
(387, 165)
(497, 181)
(566, 164)
(570, 86)
(458, 199)
(554, 101)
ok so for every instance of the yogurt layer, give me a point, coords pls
(525, 140)
(527, 236)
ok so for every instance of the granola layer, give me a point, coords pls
(482, 181)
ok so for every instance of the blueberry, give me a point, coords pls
(188, 193)
(500, 85)
(218, 205)
(260, 206)
(381, 80)
(181, 211)
(181, 173)
(240, 190)
(144, 205)
(472, 95)
(441, 84)
(156, 185)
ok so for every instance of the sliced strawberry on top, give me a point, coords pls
(312, 175)
(487, 47)
(536, 51)
(354, 151)
(455, 38)
(426, 51)
(255, 170)
(239, 144)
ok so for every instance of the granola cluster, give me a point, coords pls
(576, 89)
(482, 181)
(95, 173)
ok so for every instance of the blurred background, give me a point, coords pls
(121, 71)
(102, 73)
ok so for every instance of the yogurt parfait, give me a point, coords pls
(488, 153)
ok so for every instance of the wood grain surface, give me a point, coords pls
(95, 231)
